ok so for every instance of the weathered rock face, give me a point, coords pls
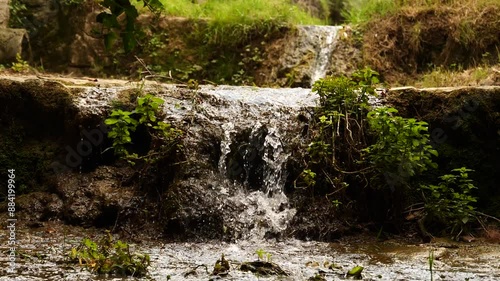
(236, 175)
(464, 125)
(300, 58)
(63, 39)
(4, 13)
(12, 39)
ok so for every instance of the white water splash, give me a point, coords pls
(325, 37)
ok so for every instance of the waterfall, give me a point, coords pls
(254, 126)
(320, 40)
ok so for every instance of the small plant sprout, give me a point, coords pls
(431, 263)
(264, 256)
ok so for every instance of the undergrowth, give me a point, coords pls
(147, 113)
(375, 151)
(108, 256)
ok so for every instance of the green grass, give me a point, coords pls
(235, 22)
(243, 11)
(362, 11)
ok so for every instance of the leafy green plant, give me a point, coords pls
(262, 255)
(402, 148)
(112, 23)
(122, 123)
(450, 201)
(72, 2)
(18, 12)
(20, 65)
(109, 257)
(431, 264)
(338, 128)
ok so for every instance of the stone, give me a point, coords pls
(12, 44)
(4, 13)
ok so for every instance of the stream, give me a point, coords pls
(248, 135)
(41, 257)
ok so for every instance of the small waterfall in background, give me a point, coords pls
(322, 38)
(255, 127)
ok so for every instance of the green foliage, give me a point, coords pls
(251, 58)
(72, 2)
(112, 23)
(17, 13)
(20, 65)
(431, 264)
(262, 255)
(338, 125)
(450, 202)
(236, 22)
(122, 123)
(109, 257)
(401, 147)
(362, 11)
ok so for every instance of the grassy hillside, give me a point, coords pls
(407, 39)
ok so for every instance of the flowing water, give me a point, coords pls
(42, 258)
(256, 128)
(324, 37)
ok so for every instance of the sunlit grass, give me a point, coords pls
(243, 11)
(236, 21)
(441, 77)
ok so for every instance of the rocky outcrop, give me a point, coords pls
(229, 183)
(4, 13)
(12, 39)
(464, 127)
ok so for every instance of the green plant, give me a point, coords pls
(109, 257)
(72, 2)
(111, 19)
(431, 264)
(18, 12)
(450, 201)
(251, 58)
(263, 255)
(122, 123)
(402, 148)
(362, 11)
(339, 128)
(20, 65)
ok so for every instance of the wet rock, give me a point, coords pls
(221, 267)
(94, 198)
(192, 210)
(317, 219)
(36, 207)
(262, 268)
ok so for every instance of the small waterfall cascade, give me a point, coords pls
(322, 38)
(254, 127)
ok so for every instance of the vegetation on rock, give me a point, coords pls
(147, 114)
